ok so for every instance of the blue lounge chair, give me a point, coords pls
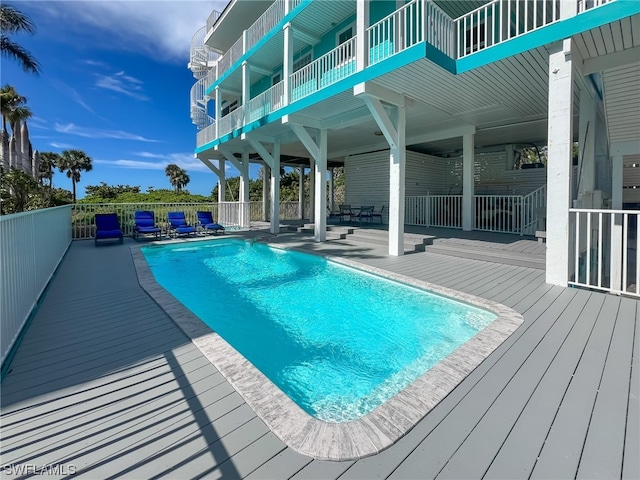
(145, 223)
(178, 225)
(107, 227)
(206, 223)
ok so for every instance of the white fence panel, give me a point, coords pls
(434, 211)
(32, 245)
(498, 213)
(603, 250)
(265, 23)
(235, 214)
(396, 32)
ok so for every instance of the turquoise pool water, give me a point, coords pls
(338, 341)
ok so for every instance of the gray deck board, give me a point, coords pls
(106, 381)
(604, 445)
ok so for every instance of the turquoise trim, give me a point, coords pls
(588, 20)
(399, 60)
(582, 22)
(273, 32)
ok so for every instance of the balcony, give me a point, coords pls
(417, 22)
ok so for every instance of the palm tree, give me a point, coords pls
(48, 162)
(74, 162)
(13, 108)
(177, 176)
(13, 21)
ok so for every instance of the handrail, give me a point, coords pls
(265, 23)
(212, 19)
(267, 102)
(326, 70)
(396, 32)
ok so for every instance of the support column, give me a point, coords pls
(560, 141)
(468, 210)
(331, 190)
(243, 194)
(218, 110)
(586, 144)
(362, 23)
(397, 165)
(266, 183)
(616, 227)
(320, 192)
(246, 90)
(275, 189)
(287, 66)
(301, 194)
(312, 189)
(222, 182)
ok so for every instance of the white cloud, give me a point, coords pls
(183, 160)
(148, 155)
(73, 93)
(122, 83)
(87, 132)
(161, 29)
(61, 145)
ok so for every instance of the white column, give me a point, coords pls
(218, 110)
(331, 190)
(509, 152)
(616, 227)
(275, 190)
(312, 189)
(587, 143)
(560, 141)
(265, 192)
(397, 165)
(246, 90)
(287, 66)
(321, 189)
(243, 195)
(301, 194)
(362, 23)
(468, 210)
(222, 181)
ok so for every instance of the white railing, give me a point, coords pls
(396, 32)
(213, 18)
(502, 20)
(584, 5)
(498, 213)
(83, 217)
(433, 211)
(198, 109)
(207, 134)
(231, 121)
(33, 244)
(534, 210)
(231, 57)
(267, 102)
(235, 214)
(603, 250)
(440, 29)
(330, 68)
(201, 57)
(265, 23)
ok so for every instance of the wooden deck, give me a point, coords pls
(106, 385)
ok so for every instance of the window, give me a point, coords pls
(342, 37)
(302, 62)
(276, 79)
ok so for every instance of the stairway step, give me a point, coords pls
(488, 255)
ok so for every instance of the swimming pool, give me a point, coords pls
(338, 341)
(302, 432)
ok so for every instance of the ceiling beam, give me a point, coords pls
(630, 56)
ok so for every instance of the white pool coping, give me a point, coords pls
(359, 438)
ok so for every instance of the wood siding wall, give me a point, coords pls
(367, 177)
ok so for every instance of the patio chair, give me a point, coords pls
(178, 225)
(365, 214)
(107, 227)
(206, 223)
(145, 223)
(375, 214)
(345, 211)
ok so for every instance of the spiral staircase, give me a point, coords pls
(200, 63)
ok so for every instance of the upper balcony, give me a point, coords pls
(417, 22)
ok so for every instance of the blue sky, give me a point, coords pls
(115, 84)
